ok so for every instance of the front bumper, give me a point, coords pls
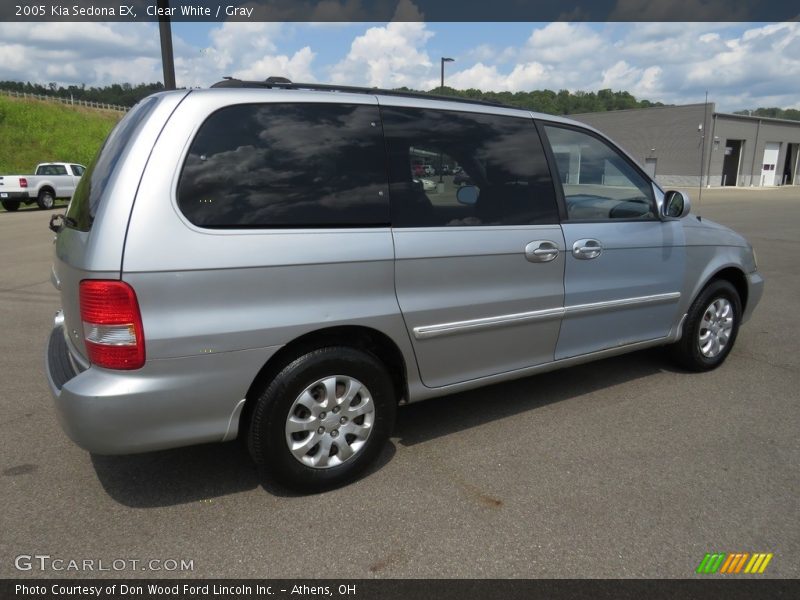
(165, 404)
(755, 289)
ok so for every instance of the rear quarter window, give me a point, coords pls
(90, 192)
(287, 165)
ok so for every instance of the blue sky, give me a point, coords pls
(742, 65)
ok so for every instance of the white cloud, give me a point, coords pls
(75, 53)
(527, 76)
(762, 58)
(641, 82)
(12, 57)
(103, 53)
(561, 42)
(297, 67)
(479, 76)
(389, 56)
(241, 49)
(484, 53)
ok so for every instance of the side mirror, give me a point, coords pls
(676, 204)
(468, 194)
(57, 223)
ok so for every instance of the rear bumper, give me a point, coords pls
(22, 196)
(165, 404)
(755, 289)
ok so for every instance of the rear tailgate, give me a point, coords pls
(90, 245)
(9, 184)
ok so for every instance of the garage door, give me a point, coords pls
(771, 150)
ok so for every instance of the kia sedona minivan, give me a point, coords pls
(258, 260)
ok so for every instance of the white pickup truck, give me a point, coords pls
(51, 181)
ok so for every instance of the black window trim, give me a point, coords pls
(551, 159)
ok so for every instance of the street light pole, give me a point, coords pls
(444, 60)
(165, 32)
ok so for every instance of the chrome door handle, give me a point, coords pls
(541, 251)
(587, 249)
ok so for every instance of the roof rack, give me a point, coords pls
(286, 84)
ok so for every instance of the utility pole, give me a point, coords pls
(702, 152)
(165, 32)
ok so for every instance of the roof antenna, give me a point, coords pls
(702, 128)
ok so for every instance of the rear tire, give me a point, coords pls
(323, 419)
(46, 200)
(711, 328)
(10, 205)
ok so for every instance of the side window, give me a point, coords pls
(77, 170)
(456, 169)
(59, 170)
(286, 165)
(599, 184)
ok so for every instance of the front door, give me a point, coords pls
(624, 267)
(479, 257)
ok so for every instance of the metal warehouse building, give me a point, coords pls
(738, 150)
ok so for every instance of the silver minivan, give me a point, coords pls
(259, 260)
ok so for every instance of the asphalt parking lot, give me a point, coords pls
(620, 468)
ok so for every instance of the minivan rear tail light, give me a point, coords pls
(23, 182)
(112, 324)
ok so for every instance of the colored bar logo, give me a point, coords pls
(734, 563)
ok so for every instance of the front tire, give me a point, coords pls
(323, 419)
(46, 200)
(10, 205)
(711, 328)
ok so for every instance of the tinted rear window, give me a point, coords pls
(51, 170)
(90, 191)
(287, 165)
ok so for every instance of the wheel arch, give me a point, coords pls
(353, 336)
(46, 188)
(736, 277)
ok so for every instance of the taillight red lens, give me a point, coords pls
(112, 324)
(23, 182)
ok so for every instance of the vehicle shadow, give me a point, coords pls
(192, 474)
(439, 417)
(201, 473)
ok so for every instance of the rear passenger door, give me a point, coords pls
(478, 272)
